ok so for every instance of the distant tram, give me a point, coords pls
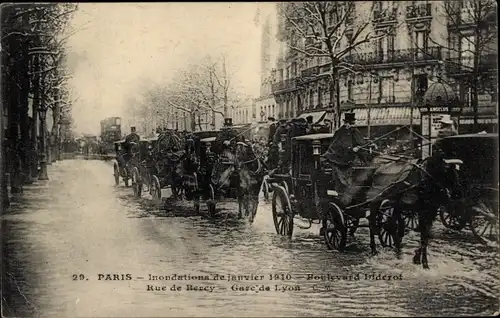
(110, 132)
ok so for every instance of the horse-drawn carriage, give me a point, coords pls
(142, 173)
(124, 162)
(166, 154)
(477, 204)
(382, 190)
(227, 168)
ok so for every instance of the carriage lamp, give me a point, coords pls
(316, 147)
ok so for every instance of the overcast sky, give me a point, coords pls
(122, 45)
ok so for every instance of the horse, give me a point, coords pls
(422, 186)
(239, 167)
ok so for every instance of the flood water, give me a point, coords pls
(79, 223)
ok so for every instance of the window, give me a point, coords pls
(350, 95)
(391, 39)
(294, 69)
(467, 50)
(320, 96)
(388, 89)
(421, 85)
(311, 98)
(421, 42)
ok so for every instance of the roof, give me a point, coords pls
(209, 139)
(439, 94)
(313, 137)
(472, 136)
(317, 116)
(400, 115)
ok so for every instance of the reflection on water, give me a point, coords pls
(50, 237)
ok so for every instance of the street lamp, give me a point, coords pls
(43, 159)
(316, 145)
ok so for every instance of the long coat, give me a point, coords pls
(341, 151)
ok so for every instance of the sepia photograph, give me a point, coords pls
(249, 159)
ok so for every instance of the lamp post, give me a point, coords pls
(43, 156)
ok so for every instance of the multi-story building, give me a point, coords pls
(265, 104)
(392, 72)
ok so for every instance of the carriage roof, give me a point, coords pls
(313, 137)
(209, 139)
(479, 153)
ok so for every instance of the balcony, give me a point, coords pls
(385, 16)
(289, 84)
(397, 56)
(417, 12)
(457, 66)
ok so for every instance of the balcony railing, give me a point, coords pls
(284, 85)
(312, 71)
(396, 56)
(465, 64)
(419, 11)
(380, 16)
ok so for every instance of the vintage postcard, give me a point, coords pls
(249, 159)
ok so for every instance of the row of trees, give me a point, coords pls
(34, 76)
(203, 89)
(333, 31)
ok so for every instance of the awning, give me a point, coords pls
(386, 116)
(470, 121)
(317, 116)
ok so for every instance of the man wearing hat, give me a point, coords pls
(130, 140)
(347, 140)
(447, 127)
(272, 129)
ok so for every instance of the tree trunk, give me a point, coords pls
(24, 89)
(14, 117)
(193, 121)
(36, 105)
(43, 151)
(213, 119)
(54, 136)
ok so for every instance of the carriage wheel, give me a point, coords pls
(391, 226)
(265, 190)
(282, 212)
(211, 201)
(155, 188)
(410, 218)
(116, 173)
(484, 220)
(136, 183)
(335, 231)
(451, 218)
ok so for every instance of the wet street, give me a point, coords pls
(62, 238)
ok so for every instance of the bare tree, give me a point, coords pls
(331, 30)
(473, 48)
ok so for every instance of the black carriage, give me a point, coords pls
(142, 173)
(198, 169)
(123, 164)
(306, 194)
(478, 203)
(166, 152)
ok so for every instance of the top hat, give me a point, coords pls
(132, 129)
(446, 119)
(228, 121)
(271, 118)
(349, 117)
(309, 118)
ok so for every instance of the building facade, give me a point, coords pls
(390, 74)
(265, 104)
